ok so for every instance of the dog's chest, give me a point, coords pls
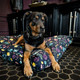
(34, 42)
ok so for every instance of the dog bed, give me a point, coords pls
(39, 59)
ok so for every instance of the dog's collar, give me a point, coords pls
(36, 37)
(34, 41)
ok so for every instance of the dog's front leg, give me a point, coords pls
(27, 68)
(55, 65)
(19, 39)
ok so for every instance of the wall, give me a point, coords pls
(26, 3)
(4, 10)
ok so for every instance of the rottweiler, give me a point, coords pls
(33, 38)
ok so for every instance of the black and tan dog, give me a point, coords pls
(33, 37)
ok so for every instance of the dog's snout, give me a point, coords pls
(42, 29)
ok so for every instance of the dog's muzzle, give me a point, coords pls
(42, 30)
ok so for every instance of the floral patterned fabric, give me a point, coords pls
(39, 58)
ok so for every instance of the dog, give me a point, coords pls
(33, 38)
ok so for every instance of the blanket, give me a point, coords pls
(39, 59)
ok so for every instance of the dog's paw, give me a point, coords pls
(28, 72)
(56, 67)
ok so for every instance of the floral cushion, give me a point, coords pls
(39, 59)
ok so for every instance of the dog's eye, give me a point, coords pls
(43, 19)
(37, 17)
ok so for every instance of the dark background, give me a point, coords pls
(5, 9)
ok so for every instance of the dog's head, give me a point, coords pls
(35, 22)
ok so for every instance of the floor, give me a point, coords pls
(70, 68)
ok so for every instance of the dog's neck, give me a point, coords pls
(34, 40)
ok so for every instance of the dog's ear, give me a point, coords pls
(27, 14)
(26, 19)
